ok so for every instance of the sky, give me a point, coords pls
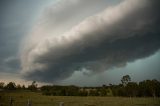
(79, 42)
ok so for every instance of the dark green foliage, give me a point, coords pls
(11, 86)
(60, 90)
(131, 89)
(125, 79)
(1, 85)
(33, 86)
(147, 88)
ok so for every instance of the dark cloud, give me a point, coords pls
(62, 12)
(12, 63)
(113, 38)
(16, 18)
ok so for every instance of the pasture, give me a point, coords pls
(20, 98)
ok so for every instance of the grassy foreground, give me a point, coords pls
(20, 99)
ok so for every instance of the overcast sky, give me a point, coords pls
(80, 42)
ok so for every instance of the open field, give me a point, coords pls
(20, 99)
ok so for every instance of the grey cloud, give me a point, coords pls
(16, 18)
(65, 14)
(12, 62)
(63, 11)
(62, 16)
(119, 35)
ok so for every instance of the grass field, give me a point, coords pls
(20, 99)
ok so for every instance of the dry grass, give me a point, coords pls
(20, 99)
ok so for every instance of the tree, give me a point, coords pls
(152, 87)
(149, 88)
(11, 86)
(125, 79)
(131, 89)
(103, 92)
(33, 86)
(19, 86)
(109, 92)
(1, 85)
(23, 87)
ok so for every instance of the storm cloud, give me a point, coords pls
(110, 37)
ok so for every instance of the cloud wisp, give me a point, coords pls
(117, 35)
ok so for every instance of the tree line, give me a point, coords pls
(12, 86)
(127, 88)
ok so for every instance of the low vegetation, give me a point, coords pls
(147, 88)
(127, 93)
(20, 98)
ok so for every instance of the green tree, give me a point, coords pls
(149, 88)
(131, 89)
(125, 79)
(109, 92)
(23, 87)
(19, 86)
(103, 92)
(152, 87)
(11, 86)
(1, 85)
(33, 86)
(94, 92)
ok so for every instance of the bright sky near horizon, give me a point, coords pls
(80, 42)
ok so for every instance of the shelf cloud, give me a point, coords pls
(65, 40)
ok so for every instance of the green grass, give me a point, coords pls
(20, 99)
